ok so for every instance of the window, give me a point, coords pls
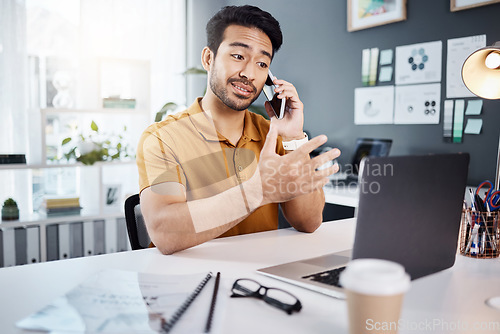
(72, 54)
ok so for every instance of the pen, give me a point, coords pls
(467, 225)
(212, 304)
(472, 245)
(474, 241)
(486, 237)
(479, 203)
(473, 208)
(490, 232)
(472, 200)
(482, 238)
(473, 232)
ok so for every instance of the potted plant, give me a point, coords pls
(10, 211)
(95, 147)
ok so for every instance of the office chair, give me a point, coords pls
(137, 233)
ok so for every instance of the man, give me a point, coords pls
(218, 169)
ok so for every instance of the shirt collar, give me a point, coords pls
(204, 124)
(250, 130)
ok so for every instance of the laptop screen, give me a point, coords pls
(369, 147)
(410, 209)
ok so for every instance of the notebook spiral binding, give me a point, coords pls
(167, 326)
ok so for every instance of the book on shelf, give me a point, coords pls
(12, 159)
(63, 206)
(117, 102)
(69, 211)
(57, 202)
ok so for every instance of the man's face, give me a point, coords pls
(239, 70)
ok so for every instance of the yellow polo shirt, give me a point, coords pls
(187, 149)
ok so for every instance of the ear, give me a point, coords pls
(207, 58)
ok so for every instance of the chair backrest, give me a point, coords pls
(137, 232)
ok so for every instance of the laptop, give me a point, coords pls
(365, 147)
(409, 212)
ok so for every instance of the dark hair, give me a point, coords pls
(247, 16)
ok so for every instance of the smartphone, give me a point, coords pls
(277, 104)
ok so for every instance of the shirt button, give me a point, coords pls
(240, 168)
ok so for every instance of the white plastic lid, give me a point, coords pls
(494, 302)
(375, 277)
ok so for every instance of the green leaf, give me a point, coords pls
(66, 140)
(10, 202)
(94, 126)
(159, 116)
(194, 70)
(168, 107)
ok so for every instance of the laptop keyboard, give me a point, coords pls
(330, 277)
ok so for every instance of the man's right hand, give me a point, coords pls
(286, 177)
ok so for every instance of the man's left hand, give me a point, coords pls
(292, 124)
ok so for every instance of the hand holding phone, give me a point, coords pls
(277, 104)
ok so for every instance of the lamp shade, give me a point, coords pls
(481, 72)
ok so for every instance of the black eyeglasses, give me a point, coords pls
(245, 287)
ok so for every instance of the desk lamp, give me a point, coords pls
(481, 75)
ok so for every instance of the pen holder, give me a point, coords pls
(480, 234)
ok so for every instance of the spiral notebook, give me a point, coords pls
(167, 325)
(115, 301)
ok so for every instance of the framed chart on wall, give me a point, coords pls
(363, 14)
(456, 5)
(111, 198)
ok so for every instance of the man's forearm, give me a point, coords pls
(182, 225)
(293, 179)
(305, 213)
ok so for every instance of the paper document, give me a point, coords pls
(417, 104)
(365, 67)
(385, 74)
(115, 301)
(448, 121)
(418, 63)
(386, 57)
(473, 126)
(474, 107)
(458, 121)
(374, 105)
(372, 78)
(458, 51)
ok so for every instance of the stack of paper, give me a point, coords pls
(62, 205)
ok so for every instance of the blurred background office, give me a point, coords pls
(102, 69)
(323, 60)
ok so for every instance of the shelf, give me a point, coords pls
(77, 164)
(43, 219)
(97, 110)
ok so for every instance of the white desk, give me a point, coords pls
(342, 195)
(455, 295)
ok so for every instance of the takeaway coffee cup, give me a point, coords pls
(374, 292)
